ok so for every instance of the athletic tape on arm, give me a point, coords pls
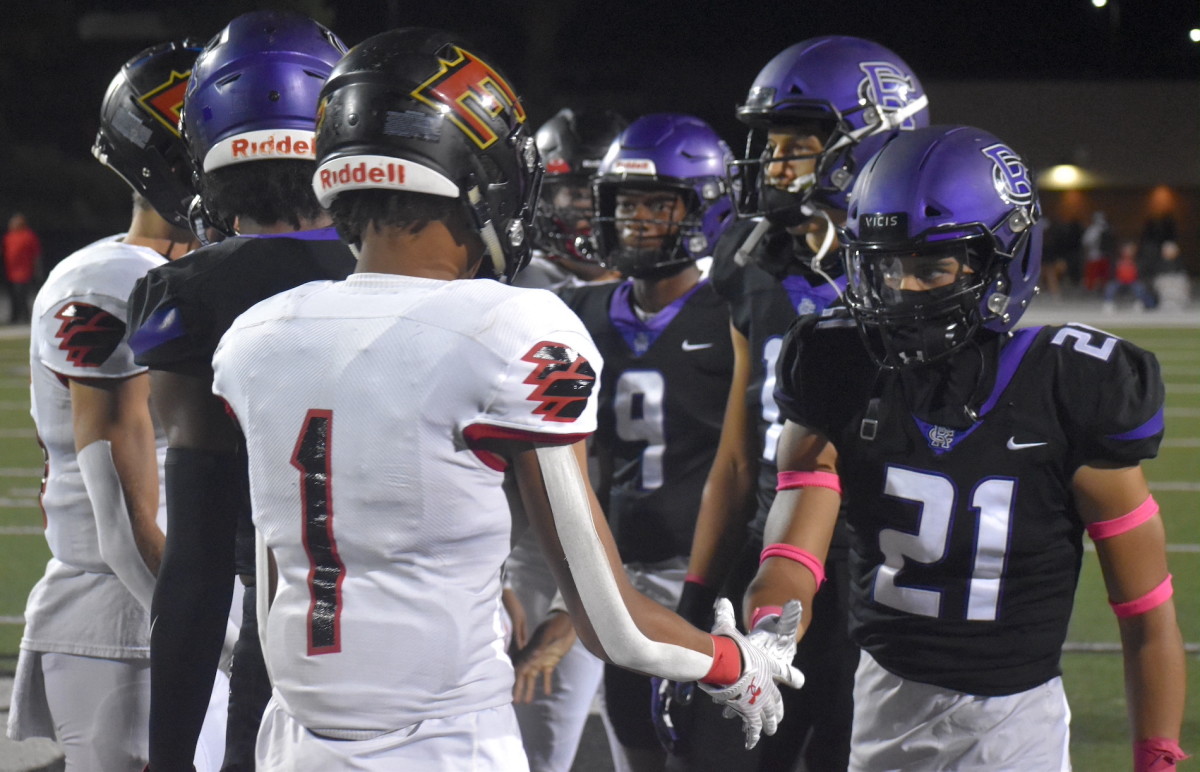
(117, 546)
(620, 637)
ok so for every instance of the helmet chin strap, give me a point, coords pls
(814, 264)
(890, 120)
(487, 232)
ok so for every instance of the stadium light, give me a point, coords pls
(1195, 34)
(1099, 3)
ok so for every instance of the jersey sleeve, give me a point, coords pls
(1112, 393)
(83, 336)
(547, 387)
(164, 323)
(797, 387)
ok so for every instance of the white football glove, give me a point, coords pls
(776, 635)
(754, 696)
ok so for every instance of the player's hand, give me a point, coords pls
(670, 710)
(225, 663)
(776, 635)
(754, 696)
(549, 644)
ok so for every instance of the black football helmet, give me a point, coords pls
(571, 144)
(139, 127)
(418, 110)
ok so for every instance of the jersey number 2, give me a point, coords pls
(325, 573)
(991, 499)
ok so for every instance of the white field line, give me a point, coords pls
(1175, 486)
(1182, 388)
(1181, 442)
(32, 471)
(1184, 370)
(1112, 648)
(14, 405)
(18, 434)
(1182, 412)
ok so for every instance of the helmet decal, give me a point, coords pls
(1010, 175)
(470, 92)
(165, 102)
(888, 86)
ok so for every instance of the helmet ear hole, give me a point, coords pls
(933, 211)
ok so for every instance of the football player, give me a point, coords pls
(248, 119)
(970, 457)
(662, 201)
(571, 144)
(553, 714)
(83, 675)
(817, 111)
(377, 463)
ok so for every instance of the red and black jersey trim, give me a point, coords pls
(88, 334)
(477, 433)
(563, 380)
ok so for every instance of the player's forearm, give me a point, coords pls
(191, 599)
(725, 508)
(135, 457)
(1155, 672)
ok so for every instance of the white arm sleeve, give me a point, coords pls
(619, 635)
(117, 546)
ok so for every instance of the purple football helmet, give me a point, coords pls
(854, 93)
(663, 152)
(253, 91)
(929, 195)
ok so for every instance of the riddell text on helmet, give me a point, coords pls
(391, 173)
(244, 149)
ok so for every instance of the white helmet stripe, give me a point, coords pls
(372, 172)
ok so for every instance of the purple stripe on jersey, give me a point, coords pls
(639, 335)
(1148, 429)
(319, 234)
(942, 439)
(807, 299)
(1010, 359)
(164, 325)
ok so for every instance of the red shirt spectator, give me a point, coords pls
(21, 250)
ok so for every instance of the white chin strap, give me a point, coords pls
(622, 641)
(488, 233)
(891, 119)
(814, 262)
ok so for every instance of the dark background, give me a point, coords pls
(57, 57)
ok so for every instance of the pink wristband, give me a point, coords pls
(790, 480)
(695, 579)
(1152, 599)
(1156, 754)
(763, 612)
(727, 662)
(1106, 529)
(803, 557)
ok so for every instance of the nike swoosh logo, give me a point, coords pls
(695, 346)
(1014, 445)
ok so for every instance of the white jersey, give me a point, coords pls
(364, 403)
(79, 318)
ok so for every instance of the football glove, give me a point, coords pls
(755, 697)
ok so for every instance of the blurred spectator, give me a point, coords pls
(22, 249)
(1125, 279)
(1054, 261)
(1097, 242)
(1171, 283)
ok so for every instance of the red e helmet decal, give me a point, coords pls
(165, 102)
(563, 381)
(470, 93)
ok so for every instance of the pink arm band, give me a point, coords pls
(1152, 599)
(1106, 529)
(727, 662)
(803, 557)
(789, 480)
(763, 612)
(695, 579)
(1157, 754)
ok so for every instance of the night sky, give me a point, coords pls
(635, 56)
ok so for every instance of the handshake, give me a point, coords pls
(767, 654)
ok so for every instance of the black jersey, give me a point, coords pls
(662, 399)
(180, 310)
(965, 541)
(761, 309)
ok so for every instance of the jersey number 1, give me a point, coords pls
(325, 573)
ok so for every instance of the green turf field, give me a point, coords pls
(1093, 674)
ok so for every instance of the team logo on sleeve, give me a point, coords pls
(88, 334)
(165, 102)
(471, 94)
(563, 381)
